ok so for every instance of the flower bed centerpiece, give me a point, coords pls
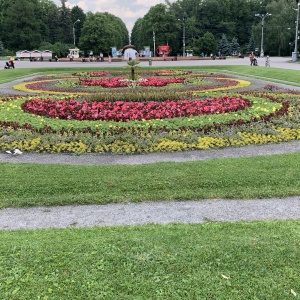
(170, 111)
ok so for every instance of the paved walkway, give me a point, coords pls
(154, 212)
(276, 62)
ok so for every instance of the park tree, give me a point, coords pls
(1, 48)
(65, 23)
(166, 26)
(21, 28)
(234, 18)
(137, 34)
(58, 48)
(3, 7)
(121, 35)
(224, 45)
(251, 44)
(77, 14)
(101, 31)
(186, 13)
(234, 46)
(208, 43)
(278, 27)
(50, 19)
(211, 16)
(25, 24)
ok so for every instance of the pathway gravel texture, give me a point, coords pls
(196, 211)
(150, 213)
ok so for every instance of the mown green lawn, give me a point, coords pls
(250, 177)
(258, 260)
(275, 74)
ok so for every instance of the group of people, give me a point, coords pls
(253, 60)
(10, 64)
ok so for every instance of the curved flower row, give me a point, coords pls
(99, 74)
(262, 108)
(171, 72)
(49, 87)
(116, 82)
(121, 111)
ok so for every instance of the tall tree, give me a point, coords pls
(77, 14)
(1, 48)
(137, 34)
(167, 27)
(224, 46)
(21, 28)
(66, 25)
(234, 46)
(50, 19)
(251, 45)
(208, 44)
(101, 31)
(276, 33)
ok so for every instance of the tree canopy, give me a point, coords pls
(35, 24)
(199, 24)
(233, 19)
(101, 31)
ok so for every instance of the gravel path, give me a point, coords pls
(150, 212)
(136, 159)
(146, 213)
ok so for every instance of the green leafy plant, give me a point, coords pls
(133, 65)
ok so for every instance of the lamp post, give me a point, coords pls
(183, 34)
(295, 53)
(290, 43)
(262, 16)
(154, 50)
(74, 29)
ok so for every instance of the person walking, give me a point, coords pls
(11, 62)
(251, 57)
(267, 64)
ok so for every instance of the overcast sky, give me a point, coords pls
(128, 10)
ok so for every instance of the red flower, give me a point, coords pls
(121, 111)
(116, 82)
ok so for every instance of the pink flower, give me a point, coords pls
(121, 111)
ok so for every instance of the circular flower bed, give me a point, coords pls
(189, 112)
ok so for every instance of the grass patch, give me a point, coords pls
(10, 75)
(274, 74)
(256, 260)
(239, 178)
